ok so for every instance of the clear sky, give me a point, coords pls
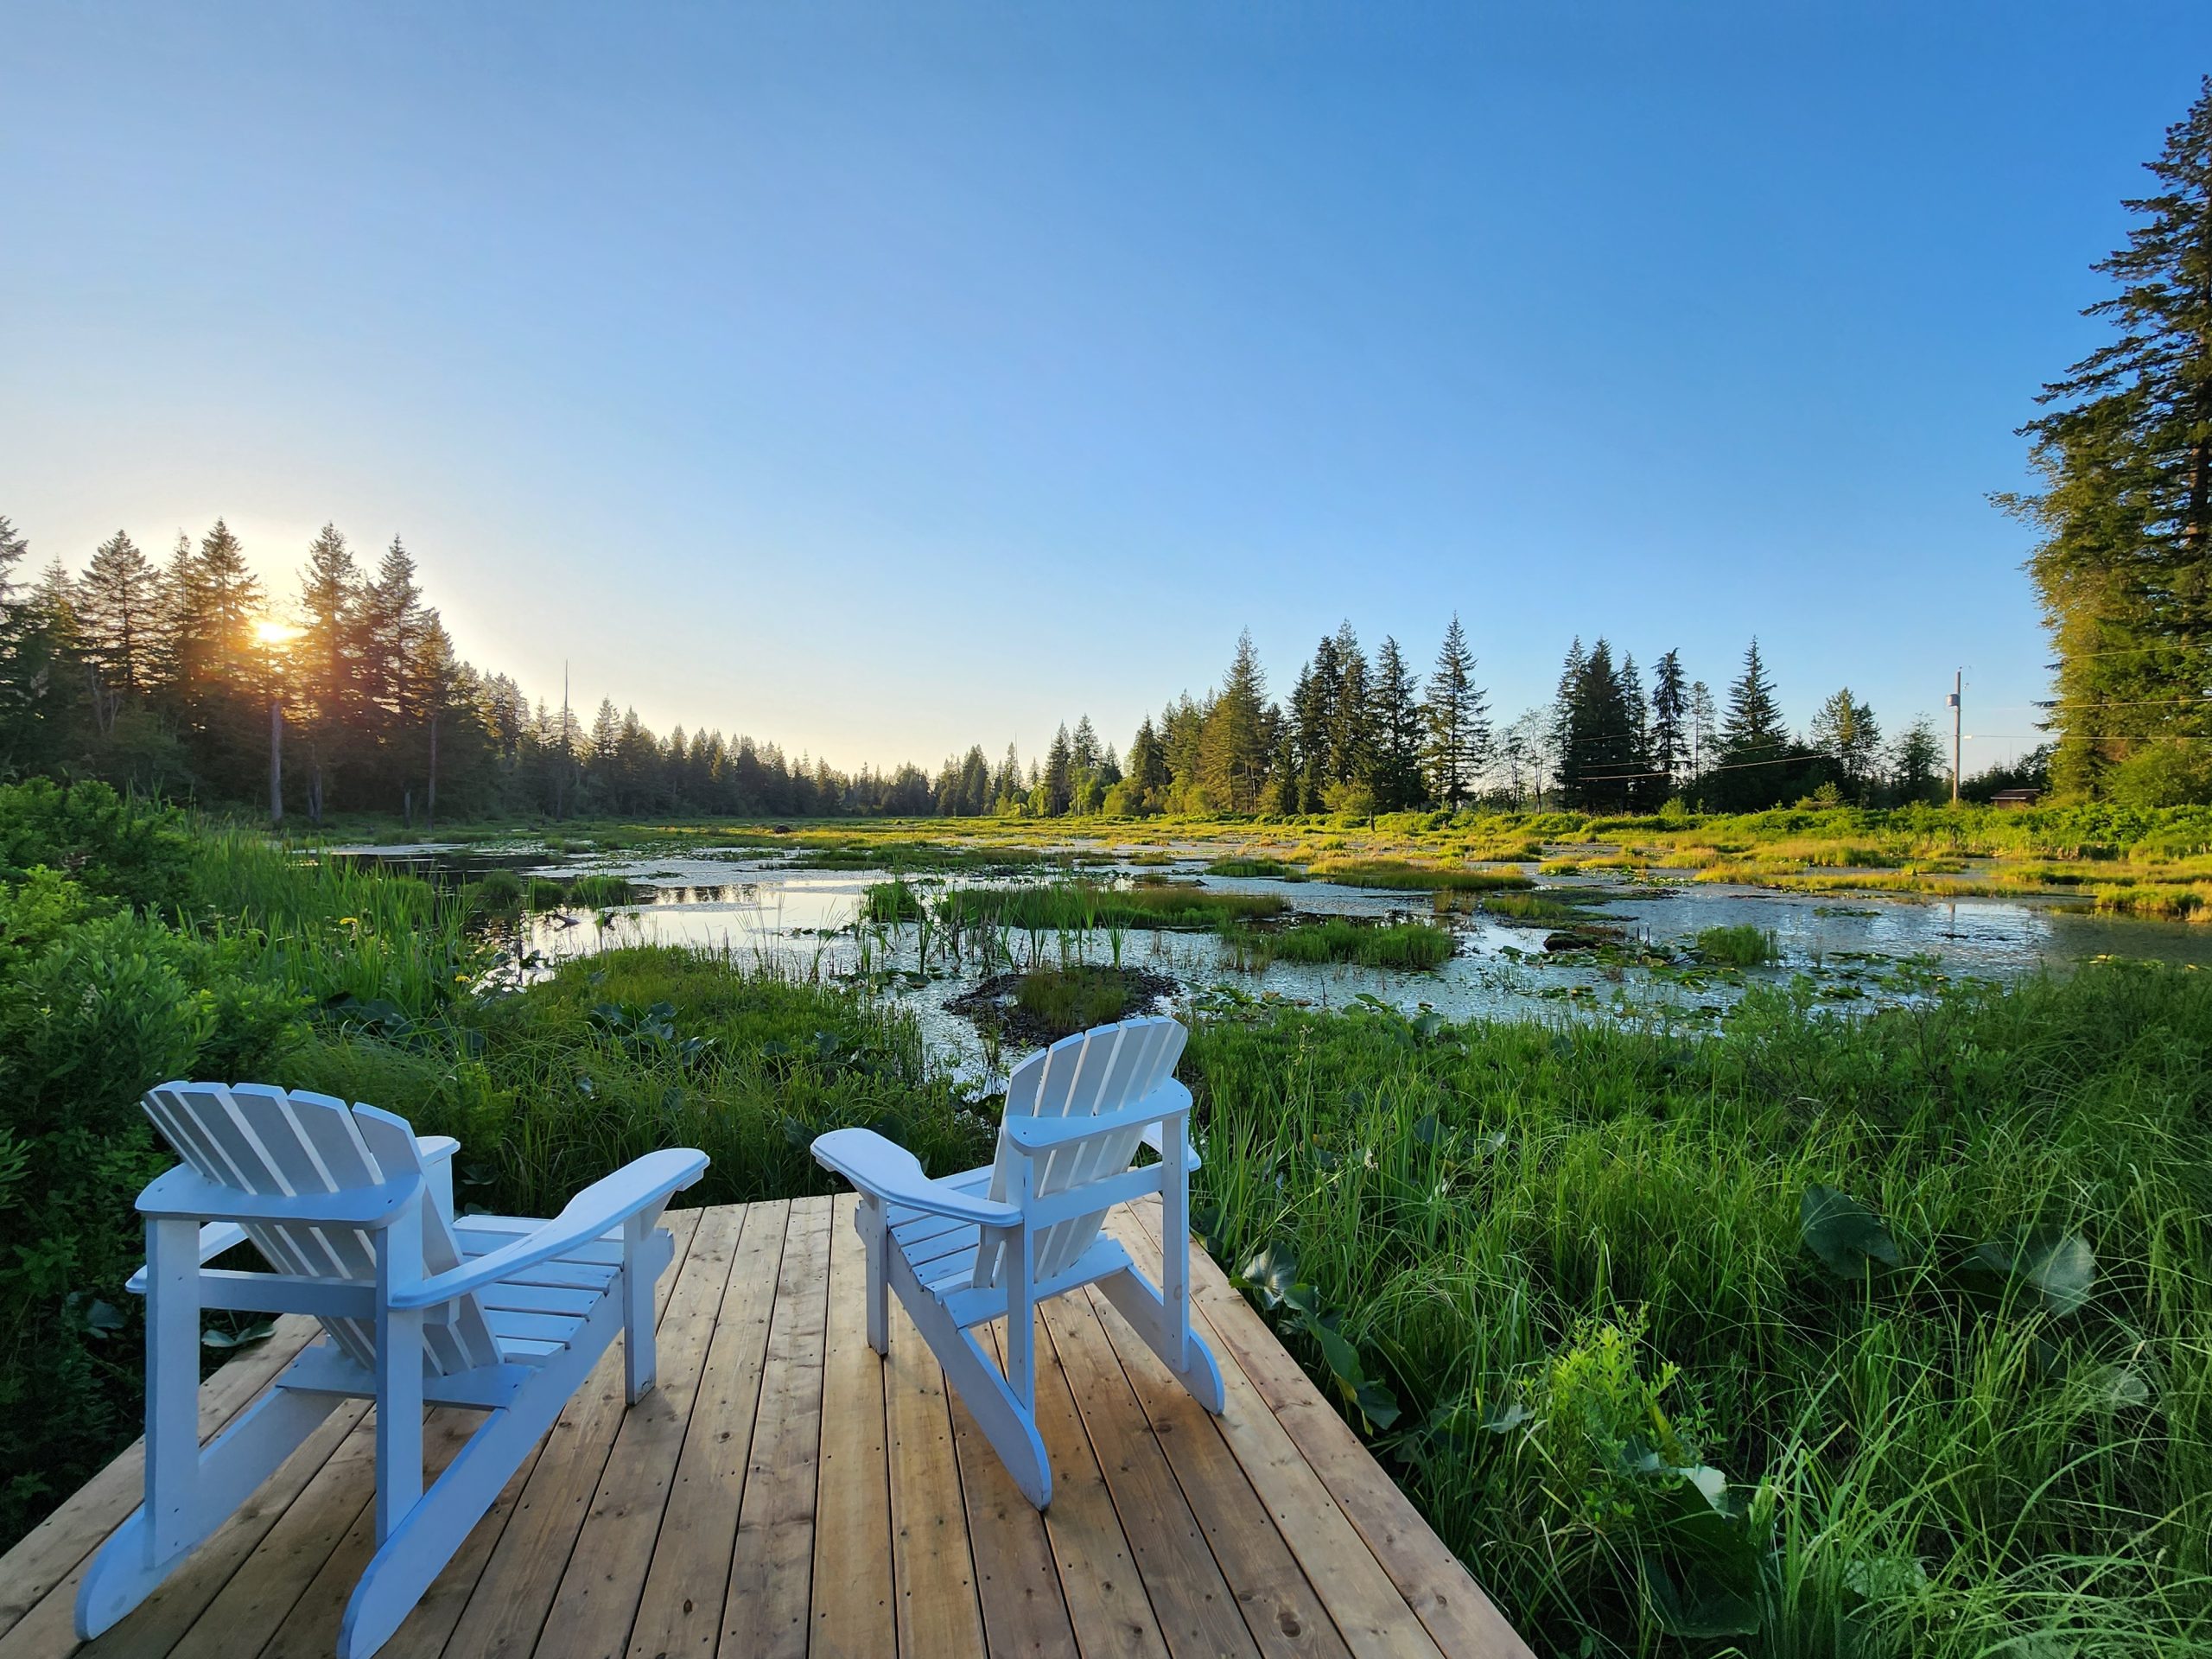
(885, 378)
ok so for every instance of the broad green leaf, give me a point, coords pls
(1272, 1271)
(1843, 1233)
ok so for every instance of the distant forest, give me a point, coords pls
(184, 679)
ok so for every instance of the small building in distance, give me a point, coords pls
(2015, 797)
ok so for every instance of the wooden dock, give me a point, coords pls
(785, 1492)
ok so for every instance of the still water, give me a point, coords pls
(1850, 951)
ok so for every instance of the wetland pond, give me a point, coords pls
(955, 944)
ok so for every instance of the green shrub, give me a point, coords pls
(114, 847)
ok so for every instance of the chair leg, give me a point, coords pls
(640, 1356)
(1181, 1350)
(399, 1371)
(129, 1568)
(876, 1244)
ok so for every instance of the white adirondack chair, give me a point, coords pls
(995, 1242)
(354, 1214)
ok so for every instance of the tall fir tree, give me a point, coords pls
(1398, 731)
(1351, 720)
(1669, 751)
(118, 599)
(1235, 742)
(1458, 721)
(2124, 572)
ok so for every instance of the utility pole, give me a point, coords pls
(1958, 685)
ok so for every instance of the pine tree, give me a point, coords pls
(1458, 721)
(1234, 744)
(117, 601)
(1059, 766)
(392, 626)
(1398, 731)
(1845, 730)
(1752, 728)
(1705, 730)
(13, 548)
(2124, 569)
(1644, 790)
(219, 680)
(328, 655)
(1351, 733)
(1598, 733)
(1670, 749)
(1567, 723)
(1314, 715)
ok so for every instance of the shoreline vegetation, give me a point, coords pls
(1882, 1336)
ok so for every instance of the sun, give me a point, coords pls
(276, 633)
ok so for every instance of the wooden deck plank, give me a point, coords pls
(1106, 1602)
(597, 1600)
(938, 1614)
(1280, 1608)
(49, 1559)
(771, 1572)
(1024, 1611)
(852, 1597)
(1196, 1609)
(162, 1618)
(680, 1609)
(784, 1491)
(309, 1631)
(1451, 1606)
(507, 1612)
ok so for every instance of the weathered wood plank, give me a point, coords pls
(49, 1558)
(680, 1610)
(852, 1598)
(1451, 1606)
(1280, 1608)
(770, 1574)
(597, 1600)
(309, 1630)
(1023, 1611)
(938, 1614)
(1196, 1609)
(1106, 1602)
(507, 1612)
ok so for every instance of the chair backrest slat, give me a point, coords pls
(260, 1139)
(1092, 1072)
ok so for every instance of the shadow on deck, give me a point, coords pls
(785, 1492)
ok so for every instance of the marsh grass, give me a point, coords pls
(1081, 906)
(1250, 867)
(1341, 938)
(1399, 876)
(1074, 999)
(1537, 1238)
(1741, 946)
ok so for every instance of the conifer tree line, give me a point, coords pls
(168, 676)
(1365, 735)
(2124, 571)
(173, 677)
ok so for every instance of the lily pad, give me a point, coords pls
(1843, 1233)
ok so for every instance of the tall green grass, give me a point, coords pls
(1075, 906)
(1397, 875)
(1339, 938)
(1578, 1260)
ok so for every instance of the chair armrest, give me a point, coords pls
(435, 1149)
(885, 1169)
(214, 1238)
(184, 1195)
(644, 1185)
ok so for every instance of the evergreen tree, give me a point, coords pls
(1599, 767)
(1644, 789)
(1351, 736)
(1398, 732)
(219, 670)
(1704, 728)
(13, 548)
(1669, 750)
(1314, 715)
(1569, 730)
(1458, 721)
(2125, 570)
(1753, 728)
(392, 626)
(1059, 764)
(117, 601)
(1845, 730)
(1232, 760)
(1916, 764)
(327, 683)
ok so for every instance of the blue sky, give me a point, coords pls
(884, 379)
